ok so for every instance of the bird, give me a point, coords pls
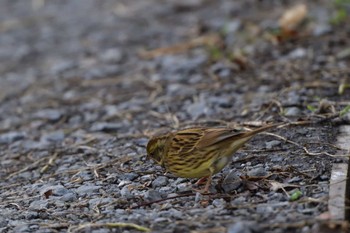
(199, 152)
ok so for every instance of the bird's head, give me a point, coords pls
(156, 149)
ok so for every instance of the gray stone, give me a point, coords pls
(56, 136)
(222, 70)
(294, 97)
(122, 183)
(10, 137)
(152, 195)
(141, 141)
(276, 197)
(198, 197)
(306, 229)
(31, 215)
(239, 227)
(179, 89)
(69, 197)
(183, 187)
(21, 228)
(277, 158)
(258, 171)
(106, 126)
(85, 175)
(294, 179)
(292, 111)
(264, 209)
(166, 190)
(160, 181)
(3, 222)
(57, 190)
(39, 205)
(181, 65)
(271, 144)
(49, 114)
(219, 203)
(146, 178)
(102, 71)
(112, 55)
(231, 182)
(187, 5)
(125, 192)
(297, 53)
(176, 214)
(158, 220)
(321, 29)
(197, 109)
(87, 189)
(238, 200)
(99, 201)
(62, 66)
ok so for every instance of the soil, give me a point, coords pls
(85, 84)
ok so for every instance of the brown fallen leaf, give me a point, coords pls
(275, 186)
(292, 18)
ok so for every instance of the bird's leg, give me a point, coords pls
(207, 184)
(201, 180)
(206, 188)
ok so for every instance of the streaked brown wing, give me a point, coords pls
(185, 141)
(213, 136)
(216, 135)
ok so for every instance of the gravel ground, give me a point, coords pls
(84, 84)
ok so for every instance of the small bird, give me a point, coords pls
(199, 152)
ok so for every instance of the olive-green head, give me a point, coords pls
(156, 149)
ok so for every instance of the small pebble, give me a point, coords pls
(183, 187)
(112, 55)
(152, 195)
(160, 181)
(294, 179)
(39, 205)
(198, 197)
(219, 203)
(106, 127)
(125, 192)
(57, 190)
(292, 111)
(231, 182)
(10, 137)
(297, 53)
(49, 114)
(239, 227)
(271, 144)
(87, 189)
(69, 197)
(259, 171)
(146, 178)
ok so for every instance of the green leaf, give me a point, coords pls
(339, 17)
(344, 111)
(295, 195)
(342, 88)
(311, 108)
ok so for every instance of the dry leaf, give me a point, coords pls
(277, 185)
(48, 193)
(291, 19)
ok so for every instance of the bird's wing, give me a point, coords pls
(188, 140)
(185, 141)
(213, 136)
(217, 135)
